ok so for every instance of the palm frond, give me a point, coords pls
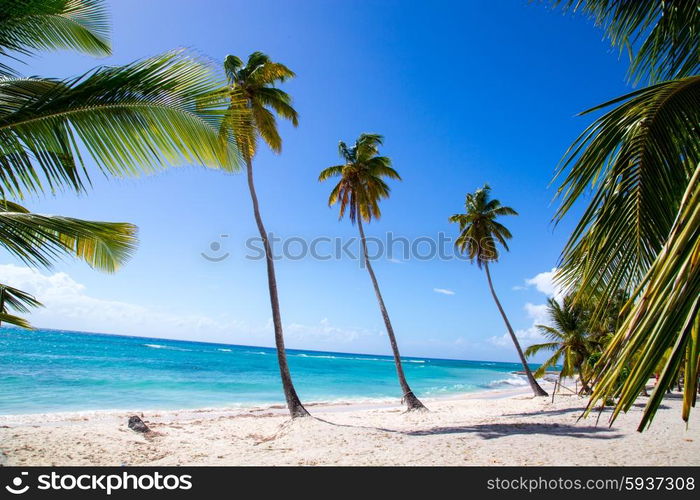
(30, 25)
(20, 301)
(662, 38)
(14, 320)
(535, 348)
(38, 240)
(130, 119)
(637, 159)
(663, 315)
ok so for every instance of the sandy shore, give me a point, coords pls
(495, 428)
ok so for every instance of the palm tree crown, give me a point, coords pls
(361, 185)
(253, 97)
(479, 230)
(568, 337)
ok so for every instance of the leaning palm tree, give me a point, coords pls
(639, 165)
(478, 234)
(253, 97)
(568, 338)
(129, 119)
(359, 190)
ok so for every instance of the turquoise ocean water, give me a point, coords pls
(53, 370)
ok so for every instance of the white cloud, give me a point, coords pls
(537, 313)
(444, 291)
(67, 305)
(544, 283)
(394, 260)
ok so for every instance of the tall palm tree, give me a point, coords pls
(130, 119)
(640, 162)
(360, 188)
(568, 338)
(253, 97)
(479, 233)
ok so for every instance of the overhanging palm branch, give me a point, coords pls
(130, 119)
(665, 316)
(637, 160)
(662, 38)
(30, 25)
(38, 240)
(22, 302)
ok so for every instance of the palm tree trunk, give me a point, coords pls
(585, 388)
(530, 378)
(296, 409)
(412, 402)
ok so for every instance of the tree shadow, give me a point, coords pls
(579, 410)
(493, 431)
(560, 411)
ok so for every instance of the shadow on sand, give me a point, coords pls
(493, 431)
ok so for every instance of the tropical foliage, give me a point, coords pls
(360, 188)
(569, 339)
(17, 300)
(479, 234)
(129, 119)
(640, 162)
(252, 101)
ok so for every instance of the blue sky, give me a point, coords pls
(464, 92)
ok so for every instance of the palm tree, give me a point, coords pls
(479, 232)
(253, 99)
(359, 190)
(640, 233)
(130, 119)
(568, 338)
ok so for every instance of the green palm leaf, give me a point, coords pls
(130, 119)
(665, 315)
(637, 160)
(13, 298)
(661, 37)
(16, 299)
(38, 240)
(30, 25)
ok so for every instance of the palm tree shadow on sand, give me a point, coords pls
(493, 431)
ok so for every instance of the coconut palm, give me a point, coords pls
(569, 339)
(129, 119)
(359, 190)
(253, 100)
(479, 233)
(640, 164)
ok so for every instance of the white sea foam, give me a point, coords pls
(167, 347)
(224, 350)
(514, 381)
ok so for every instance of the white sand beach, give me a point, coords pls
(490, 428)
